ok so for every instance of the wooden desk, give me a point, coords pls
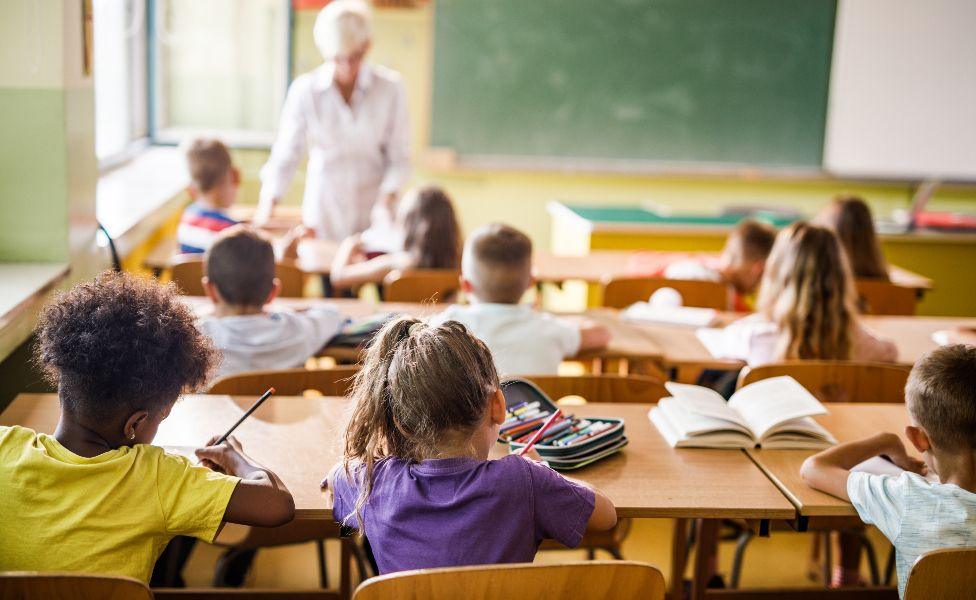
(299, 438)
(598, 265)
(682, 350)
(848, 422)
(314, 255)
(627, 343)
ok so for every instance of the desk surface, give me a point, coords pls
(599, 265)
(299, 438)
(628, 342)
(848, 422)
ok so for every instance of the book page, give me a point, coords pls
(769, 402)
(803, 432)
(716, 439)
(703, 401)
(689, 424)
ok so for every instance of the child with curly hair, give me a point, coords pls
(97, 496)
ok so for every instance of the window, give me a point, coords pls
(120, 78)
(221, 66)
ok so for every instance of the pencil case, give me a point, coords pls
(564, 456)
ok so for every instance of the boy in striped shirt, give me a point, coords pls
(213, 187)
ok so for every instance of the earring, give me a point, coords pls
(132, 435)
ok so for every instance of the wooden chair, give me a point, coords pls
(838, 381)
(832, 381)
(421, 285)
(948, 574)
(601, 388)
(621, 292)
(76, 586)
(187, 270)
(621, 580)
(885, 298)
(288, 382)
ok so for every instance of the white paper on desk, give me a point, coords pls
(187, 452)
(941, 337)
(878, 465)
(671, 315)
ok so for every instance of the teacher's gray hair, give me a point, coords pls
(342, 27)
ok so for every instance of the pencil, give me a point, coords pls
(542, 430)
(253, 408)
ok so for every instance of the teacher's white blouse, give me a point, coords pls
(356, 151)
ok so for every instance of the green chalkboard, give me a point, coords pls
(697, 81)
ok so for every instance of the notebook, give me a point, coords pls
(670, 315)
(880, 465)
(772, 413)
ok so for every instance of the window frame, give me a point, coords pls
(234, 138)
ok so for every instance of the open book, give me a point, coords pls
(772, 413)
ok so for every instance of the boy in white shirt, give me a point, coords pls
(916, 515)
(240, 267)
(496, 270)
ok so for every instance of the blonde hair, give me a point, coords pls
(342, 27)
(418, 383)
(850, 218)
(498, 261)
(808, 292)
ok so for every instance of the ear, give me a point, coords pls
(211, 290)
(132, 425)
(466, 286)
(235, 176)
(918, 438)
(758, 267)
(497, 408)
(192, 191)
(275, 290)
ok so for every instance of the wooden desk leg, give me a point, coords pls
(679, 542)
(706, 547)
(345, 572)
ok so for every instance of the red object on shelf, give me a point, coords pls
(945, 220)
(308, 4)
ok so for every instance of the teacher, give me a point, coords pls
(351, 118)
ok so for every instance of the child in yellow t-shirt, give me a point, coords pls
(97, 497)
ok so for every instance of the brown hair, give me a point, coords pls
(941, 395)
(417, 384)
(208, 161)
(241, 263)
(121, 343)
(498, 262)
(850, 218)
(808, 292)
(750, 241)
(433, 236)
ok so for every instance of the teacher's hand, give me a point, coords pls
(264, 212)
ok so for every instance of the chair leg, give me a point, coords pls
(232, 567)
(590, 553)
(690, 540)
(872, 557)
(828, 559)
(889, 575)
(740, 549)
(357, 553)
(323, 568)
(615, 552)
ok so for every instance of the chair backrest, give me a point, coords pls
(187, 270)
(621, 292)
(885, 298)
(618, 579)
(838, 380)
(77, 586)
(601, 388)
(948, 574)
(287, 382)
(421, 285)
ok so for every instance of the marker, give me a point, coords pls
(563, 431)
(253, 408)
(524, 426)
(559, 424)
(589, 431)
(539, 433)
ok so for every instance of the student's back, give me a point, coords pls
(496, 270)
(417, 480)
(97, 497)
(806, 307)
(240, 282)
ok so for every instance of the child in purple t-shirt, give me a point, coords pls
(416, 477)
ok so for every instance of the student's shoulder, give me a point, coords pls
(14, 438)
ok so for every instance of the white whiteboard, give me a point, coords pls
(902, 100)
